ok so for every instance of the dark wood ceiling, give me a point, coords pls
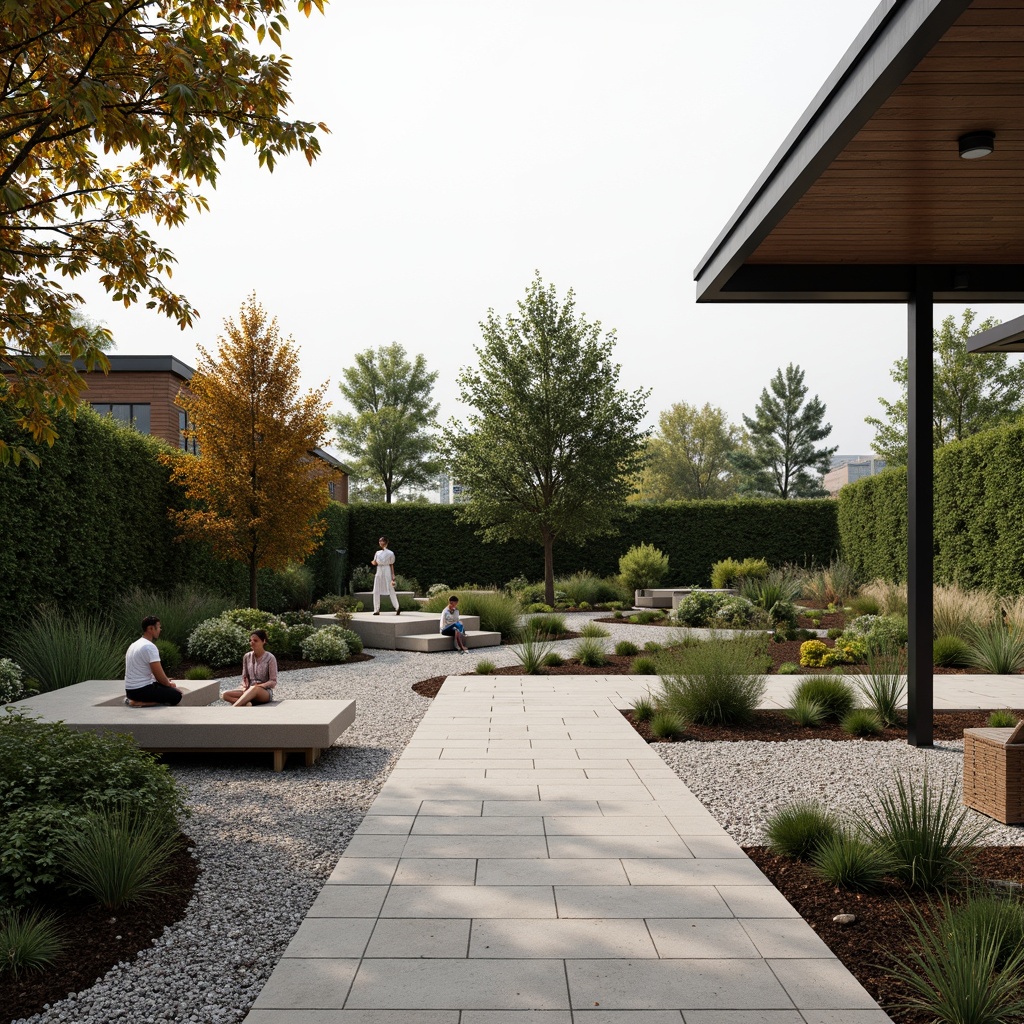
(899, 192)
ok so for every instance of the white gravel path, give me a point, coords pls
(288, 830)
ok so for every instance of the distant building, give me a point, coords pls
(142, 392)
(846, 469)
(444, 489)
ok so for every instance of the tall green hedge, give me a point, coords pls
(979, 516)
(433, 546)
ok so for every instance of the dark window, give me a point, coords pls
(330, 488)
(135, 414)
(187, 444)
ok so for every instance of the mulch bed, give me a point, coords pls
(95, 940)
(882, 925)
(283, 665)
(776, 727)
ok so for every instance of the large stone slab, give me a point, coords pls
(381, 632)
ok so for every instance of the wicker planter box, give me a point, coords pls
(994, 774)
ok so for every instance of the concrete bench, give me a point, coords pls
(430, 642)
(280, 728)
(381, 632)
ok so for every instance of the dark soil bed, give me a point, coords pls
(95, 940)
(283, 665)
(775, 727)
(882, 925)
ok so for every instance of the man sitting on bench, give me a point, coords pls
(145, 683)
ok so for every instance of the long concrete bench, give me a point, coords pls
(280, 728)
(670, 597)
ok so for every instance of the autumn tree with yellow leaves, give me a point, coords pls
(257, 489)
(112, 115)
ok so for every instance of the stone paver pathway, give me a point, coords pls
(531, 859)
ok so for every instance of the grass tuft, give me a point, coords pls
(484, 667)
(29, 941)
(643, 709)
(590, 652)
(862, 722)
(806, 712)
(594, 630)
(1002, 719)
(833, 693)
(851, 862)
(666, 725)
(800, 828)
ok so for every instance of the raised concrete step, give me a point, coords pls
(430, 642)
(381, 632)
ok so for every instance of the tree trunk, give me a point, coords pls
(252, 580)
(549, 568)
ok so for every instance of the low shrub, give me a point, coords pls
(353, 641)
(552, 660)
(299, 618)
(788, 668)
(116, 856)
(484, 667)
(717, 682)
(925, 832)
(737, 613)
(994, 648)
(847, 650)
(62, 775)
(641, 567)
(170, 655)
(330, 604)
(219, 642)
(812, 653)
(833, 694)
(438, 588)
(29, 941)
(590, 652)
(549, 624)
(296, 582)
(799, 829)
(862, 722)
(199, 672)
(698, 608)
(775, 593)
(851, 862)
(12, 682)
(729, 572)
(1002, 720)
(295, 637)
(327, 644)
(806, 712)
(951, 652)
(652, 646)
(666, 725)
(592, 629)
(63, 648)
(643, 667)
(643, 709)
(249, 618)
(537, 607)
(834, 632)
(626, 649)
(585, 588)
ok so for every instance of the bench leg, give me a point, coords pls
(279, 756)
(312, 755)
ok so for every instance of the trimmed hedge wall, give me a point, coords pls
(431, 545)
(979, 516)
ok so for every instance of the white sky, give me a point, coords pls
(601, 142)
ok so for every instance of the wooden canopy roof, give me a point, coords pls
(870, 185)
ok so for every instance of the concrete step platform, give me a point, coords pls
(381, 632)
(430, 642)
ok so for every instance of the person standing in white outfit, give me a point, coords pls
(384, 581)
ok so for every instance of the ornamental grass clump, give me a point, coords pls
(499, 613)
(199, 672)
(834, 695)
(552, 660)
(954, 610)
(718, 682)
(643, 666)
(626, 649)
(926, 832)
(552, 624)
(531, 648)
(180, 610)
(1004, 719)
(117, 856)
(63, 648)
(644, 709)
(951, 652)
(667, 725)
(959, 970)
(995, 649)
(862, 722)
(594, 630)
(29, 941)
(590, 652)
(806, 712)
(851, 862)
(484, 667)
(884, 686)
(798, 829)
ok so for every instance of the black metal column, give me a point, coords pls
(920, 510)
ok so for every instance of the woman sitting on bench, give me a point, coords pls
(259, 675)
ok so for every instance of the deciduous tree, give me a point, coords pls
(389, 433)
(782, 436)
(689, 455)
(971, 392)
(552, 442)
(258, 490)
(110, 114)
